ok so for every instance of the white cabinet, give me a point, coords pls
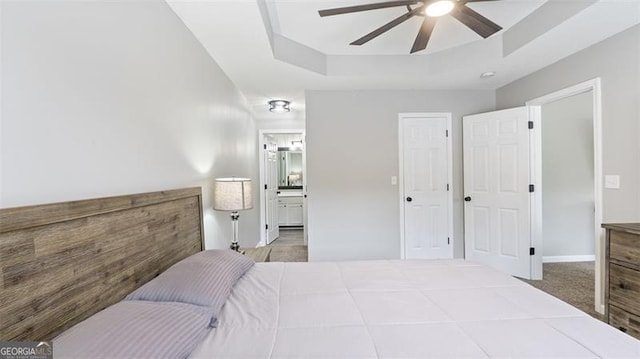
(290, 211)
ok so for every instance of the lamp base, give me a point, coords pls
(235, 246)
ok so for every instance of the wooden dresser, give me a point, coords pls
(622, 277)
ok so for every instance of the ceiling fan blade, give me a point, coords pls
(366, 7)
(476, 22)
(388, 26)
(424, 34)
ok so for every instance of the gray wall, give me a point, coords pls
(352, 152)
(567, 177)
(104, 98)
(617, 62)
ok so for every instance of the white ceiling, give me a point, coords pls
(280, 48)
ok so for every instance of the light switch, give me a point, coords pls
(612, 181)
(394, 180)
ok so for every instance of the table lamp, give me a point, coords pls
(232, 194)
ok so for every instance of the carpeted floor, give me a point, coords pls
(295, 253)
(570, 282)
(289, 247)
(288, 237)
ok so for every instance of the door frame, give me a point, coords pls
(263, 219)
(268, 206)
(401, 117)
(536, 104)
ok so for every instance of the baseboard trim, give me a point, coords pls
(559, 259)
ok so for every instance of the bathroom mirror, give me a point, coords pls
(289, 169)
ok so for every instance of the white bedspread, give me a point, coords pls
(402, 309)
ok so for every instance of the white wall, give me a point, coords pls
(106, 98)
(352, 152)
(617, 62)
(286, 139)
(266, 120)
(567, 177)
(278, 124)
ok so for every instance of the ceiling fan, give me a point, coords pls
(431, 10)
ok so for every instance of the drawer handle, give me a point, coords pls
(623, 329)
(624, 286)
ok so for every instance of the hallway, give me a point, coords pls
(289, 247)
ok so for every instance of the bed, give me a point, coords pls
(402, 309)
(219, 304)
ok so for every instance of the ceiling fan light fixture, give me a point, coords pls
(430, 10)
(279, 106)
(439, 8)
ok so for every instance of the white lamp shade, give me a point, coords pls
(232, 194)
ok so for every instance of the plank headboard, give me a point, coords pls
(60, 263)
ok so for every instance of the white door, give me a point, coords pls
(497, 214)
(271, 189)
(425, 160)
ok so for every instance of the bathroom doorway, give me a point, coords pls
(283, 212)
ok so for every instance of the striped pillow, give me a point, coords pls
(134, 329)
(204, 279)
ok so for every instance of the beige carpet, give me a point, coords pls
(295, 253)
(289, 237)
(289, 246)
(570, 282)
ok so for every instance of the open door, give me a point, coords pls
(497, 187)
(271, 189)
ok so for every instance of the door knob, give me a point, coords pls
(409, 199)
(467, 199)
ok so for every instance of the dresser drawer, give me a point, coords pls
(624, 321)
(624, 247)
(624, 288)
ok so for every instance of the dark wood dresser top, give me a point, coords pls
(633, 228)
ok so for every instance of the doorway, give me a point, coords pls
(589, 213)
(426, 201)
(283, 213)
(487, 224)
(567, 180)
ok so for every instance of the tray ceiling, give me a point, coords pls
(280, 48)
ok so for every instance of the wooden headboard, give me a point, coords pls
(60, 263)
